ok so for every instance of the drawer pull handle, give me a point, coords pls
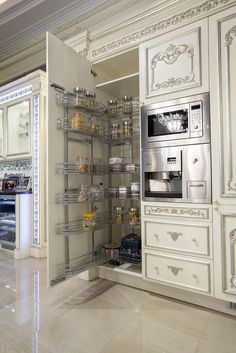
(175, 235)
(175, 270)
(233, 282)
(157, 270)
(156, 236)
(195, 241)
(195, 277)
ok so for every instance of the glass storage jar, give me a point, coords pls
(79, 93)
(95, 127)
(116, 164)
(111, 250)
(83, 164)
(89, 100)
(89, 221)
(113, 192)
(84, 193)
(115, 131)
(124, 192)
(127, 105)
(119, 214)
(79, 121)
(135, 189)
(127, 129)
(133, 216)
(112, 107)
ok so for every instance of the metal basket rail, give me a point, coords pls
(67, 100)
(96, 169)
(78, 264)
(78, 226)
(135, 109)
(73, 196)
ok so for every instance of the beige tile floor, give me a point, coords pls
(100, 316)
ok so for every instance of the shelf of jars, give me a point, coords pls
(89, 222)
(84, 165)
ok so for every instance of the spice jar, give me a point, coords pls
(112, 107)
(89, 221)
(94, 126)
(89, 100)
(116, 164)
(83, 193)
(127, 129)
(124, 192)
(83, 164)
(79, 121)
(115, 131)
(134, 187)
(119, 214)
(79, 93)
(127, 105)
(133, 216)
(113, 192)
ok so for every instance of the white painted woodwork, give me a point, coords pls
(223, 125)
(181, 271)
(175, 64)
(1, 134)
(190, 238)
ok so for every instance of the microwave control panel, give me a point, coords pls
(196, 119)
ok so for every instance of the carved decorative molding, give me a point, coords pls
(177, 211)
(175, 270)
(230, 35)
(147, 31)
(175, 235)
(16, 94)
(170, 55)
(36, 170)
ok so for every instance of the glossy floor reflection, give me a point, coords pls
(100, 316)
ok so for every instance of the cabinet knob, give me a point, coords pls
(194, 240)
(195, 277)
(157, 270)
(156, 236)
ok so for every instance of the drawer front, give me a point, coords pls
(178, 237)
(176, 271)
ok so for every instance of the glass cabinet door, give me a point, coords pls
(1, 133)
(18, 129)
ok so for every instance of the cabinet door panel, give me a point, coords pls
(1, 133)
(225, 252)
(66, 68)
(223, 104)
(175, 62)
(18, 129)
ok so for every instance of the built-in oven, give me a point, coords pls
(181, 121)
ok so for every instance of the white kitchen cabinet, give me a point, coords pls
(177, 245)
(175, 64)
(223, 112)
(1, 134)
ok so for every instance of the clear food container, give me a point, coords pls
(116, 164)
(119, 214)
(112, 107)
(127, 128)
(115, 131)
(124, 192)
(83, 164)
(89, 221)
(89, 100)
(111, 251)
(84, 193)
(135, 190)
(79, 121)
(133, 216)
(127, 105)
(113, 192)
(79, 93)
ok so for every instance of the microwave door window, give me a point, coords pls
(168, 123)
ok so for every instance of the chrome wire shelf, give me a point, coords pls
(119, 114)
(129, 257)
(79, 226)
(66, 99)
(93, 169)
(73, 196)
(77, 265)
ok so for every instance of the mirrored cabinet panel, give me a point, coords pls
(18, 129)
(1, 133)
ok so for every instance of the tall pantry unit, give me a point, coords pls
(73, 248)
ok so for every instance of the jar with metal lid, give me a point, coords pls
(113, 192)
(64, 98)
(84, 193)
(83, 164)
(127, 129)
(127, 105)
(116, 164)
(133, 216)
(112, 107)
(89, 221)
(124, 192)
(79, 121)
(111, 250)
(94, 125)
(119, 214)
(135, 189)
(115, 131)
(89, 100)
(79, 93)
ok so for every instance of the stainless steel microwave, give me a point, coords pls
(182, 121)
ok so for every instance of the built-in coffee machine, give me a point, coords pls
(179, 167)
